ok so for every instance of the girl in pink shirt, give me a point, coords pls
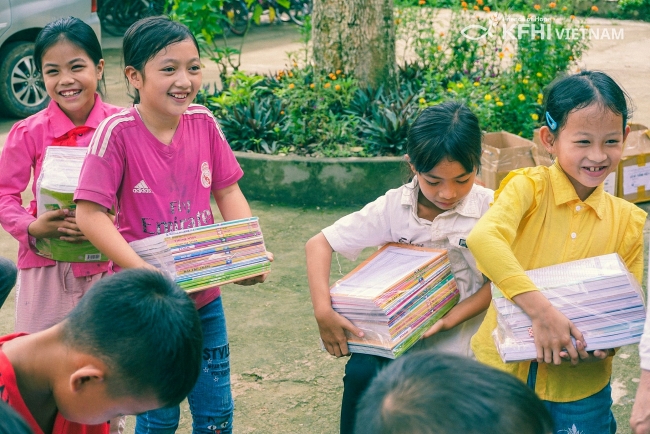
(69, 57)
(159, 162)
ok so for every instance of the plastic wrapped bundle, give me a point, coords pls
(206, 256)
(394, 297)
(55, 188)
(599, 295)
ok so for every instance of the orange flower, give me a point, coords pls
(332, 76)
(422, 2)
(479, 2)
(338, 86)
(552, 5)
(475, 8)
(573, 17)
(326, 85)
(501, 55)
(486, 9)
(594, 8)
(281, 112)
(311, 86)
(564, 8)
(439, 47)
(537, 7)
(442, 34)
(290, 74)
(463, 4)
(291, 86)
(338, 72)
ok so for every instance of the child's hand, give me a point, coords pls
(59, 224)
(552, 333)
(439, 326)
(588, 356)
(332, 326)
(256, 279)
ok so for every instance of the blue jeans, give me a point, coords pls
(8, 273)
(591, 415)
(210, 400)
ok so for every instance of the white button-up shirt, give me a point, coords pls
(393, 218)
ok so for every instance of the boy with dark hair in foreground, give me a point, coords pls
(427, 393)
(132, 344)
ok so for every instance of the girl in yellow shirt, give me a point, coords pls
(543, 216)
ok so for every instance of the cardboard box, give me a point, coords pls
(503, 152)
(634, 168)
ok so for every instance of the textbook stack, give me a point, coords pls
(55, 188)
(394, 297)
(599, 295)
(207, 256)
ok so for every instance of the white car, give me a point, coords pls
(22, 92)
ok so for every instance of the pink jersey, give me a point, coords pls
(23, 153)
(158, 188)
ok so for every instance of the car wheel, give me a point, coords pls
(22, 92)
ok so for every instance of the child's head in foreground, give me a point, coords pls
(146, 335)
(429, 393)
(444, 153)
(11, 422)
(162, 63)
(585, 126)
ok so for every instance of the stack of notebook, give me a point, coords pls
(207, 256)
(394, 297)
(599, 295)
(55, 188)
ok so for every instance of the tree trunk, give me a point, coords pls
(356, 36)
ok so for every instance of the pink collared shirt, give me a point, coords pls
(23, 154)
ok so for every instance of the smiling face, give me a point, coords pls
(589, 146)
(170, 80)
(444, 186)
(70, 78)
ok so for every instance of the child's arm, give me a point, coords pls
(331, 325)
(466, 309)
(100, 230)
(232, 206)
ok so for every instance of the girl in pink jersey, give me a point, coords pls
(160, 162)
(69, 57)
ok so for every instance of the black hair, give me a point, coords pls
(75, 31)
(147, 331)
(427, 392)
(570, 93)
(448, 130)
(148, 36)
(11, 422)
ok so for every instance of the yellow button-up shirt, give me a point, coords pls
(538, 220)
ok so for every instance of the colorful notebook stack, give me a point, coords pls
(207, 256)
(55, 188)
(394, 297)
(599, 295)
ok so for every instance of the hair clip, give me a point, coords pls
(551, 123)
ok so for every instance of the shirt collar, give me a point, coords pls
(564, 191)
(468, 207)
(60, 123)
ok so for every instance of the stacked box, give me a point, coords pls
(634, 168)
(206, 256)
(394, 297)
(503, 152)
(599, 295)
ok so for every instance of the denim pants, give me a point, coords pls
(590, 415)
(8, 273)
(210, 400)
(359, 372)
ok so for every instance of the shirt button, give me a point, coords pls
(578, 208)
(573, 235)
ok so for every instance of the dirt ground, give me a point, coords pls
(282, 382)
